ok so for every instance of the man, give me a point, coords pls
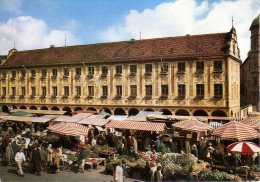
(194, 151)
(14, 147)
(119, 172)
(82, 159)
(19, 159)
(9, 153)
(36, 161)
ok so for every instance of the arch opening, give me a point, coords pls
(44, 108)
(219, 113)
(68, 110)
(166, 112)
(55, 108)
(182, 112)
(200, 113)
(5, 109)
(78, 109)
(148, 109)
(92, 109)
(33, 108)
(107, 110)
(119, 111)
(133, 112)
(23, 107)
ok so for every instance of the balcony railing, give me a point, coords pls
(181, 72)
(64, 97)
(77, 96)
(90, 96)
(217, 71)
(3, 96)
(11, 97)
(164, 73)
(132, 97)
(118, 97)
(103, 97)
(148, 97)
(90, 76)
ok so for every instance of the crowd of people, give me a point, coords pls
(18, 145)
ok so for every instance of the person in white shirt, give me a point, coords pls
(19, 159)
(119, 172)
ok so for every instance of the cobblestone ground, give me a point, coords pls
(9, 174)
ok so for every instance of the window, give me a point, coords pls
(44, 73)
(90, 91)
(66, 91)
(148, 69)
(54, 72)
(54, 91)
(3, 75)
(13, 75)
(218, 90)
(4, 91)
(118, 70)
(200, 90)
(164, 68)
(23, 74)
(119, 91)
(91, 70)
(164, 91)
(23, 91)
(78, 90)
(104, 91)
(200, 67)
(78, 72)
(181, 90)
(104, 70)
(148, 91)
(217, 66)
(133, 69)
(133, 91)
(33, 73)
(13, 90)
(66, 72)
(43, 91)
(33, 91)
(181, 67)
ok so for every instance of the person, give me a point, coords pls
(210, 150)
(124, 169)
(57, 158)
(19, 159)
(119, 172)
(202, 144)
(153, 168)
(153, 156)
(158, 174)
(157, 144)
(82, 158)
(14, 147)
(36, 161)
(9, 153)
(50, 154)
(43, 154)
(94, 141)
(135, 145)
(194, 150)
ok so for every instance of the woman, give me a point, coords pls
(49, 154)
(57, 158)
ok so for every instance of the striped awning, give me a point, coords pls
(95, 122)
(236, 131)
(135, 125)
(71, 129)
(254, 122)
(192, 125)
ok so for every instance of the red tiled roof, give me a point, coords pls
(191, 46)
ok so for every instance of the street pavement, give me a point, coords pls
(9, 174)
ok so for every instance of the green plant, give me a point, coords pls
(215, 176)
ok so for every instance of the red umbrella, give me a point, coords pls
(243, 148)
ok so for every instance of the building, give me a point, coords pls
(250, 69)
(187, 75)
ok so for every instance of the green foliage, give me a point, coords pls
(50, 138)
(215, 176)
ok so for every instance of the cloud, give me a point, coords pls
(31, 33)
(183, 17)
(12, 6)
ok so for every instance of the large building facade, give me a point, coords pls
(187, 75)
(250, 69)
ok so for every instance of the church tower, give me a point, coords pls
(255, 61)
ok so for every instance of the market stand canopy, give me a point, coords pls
(254, 122)
(26, 119)
(236, 131)
(192, 125)
(71, 129)
(95, 122)
(243, 148)
(135, 125)
(31, 111)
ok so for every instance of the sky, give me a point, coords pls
(34, 24)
